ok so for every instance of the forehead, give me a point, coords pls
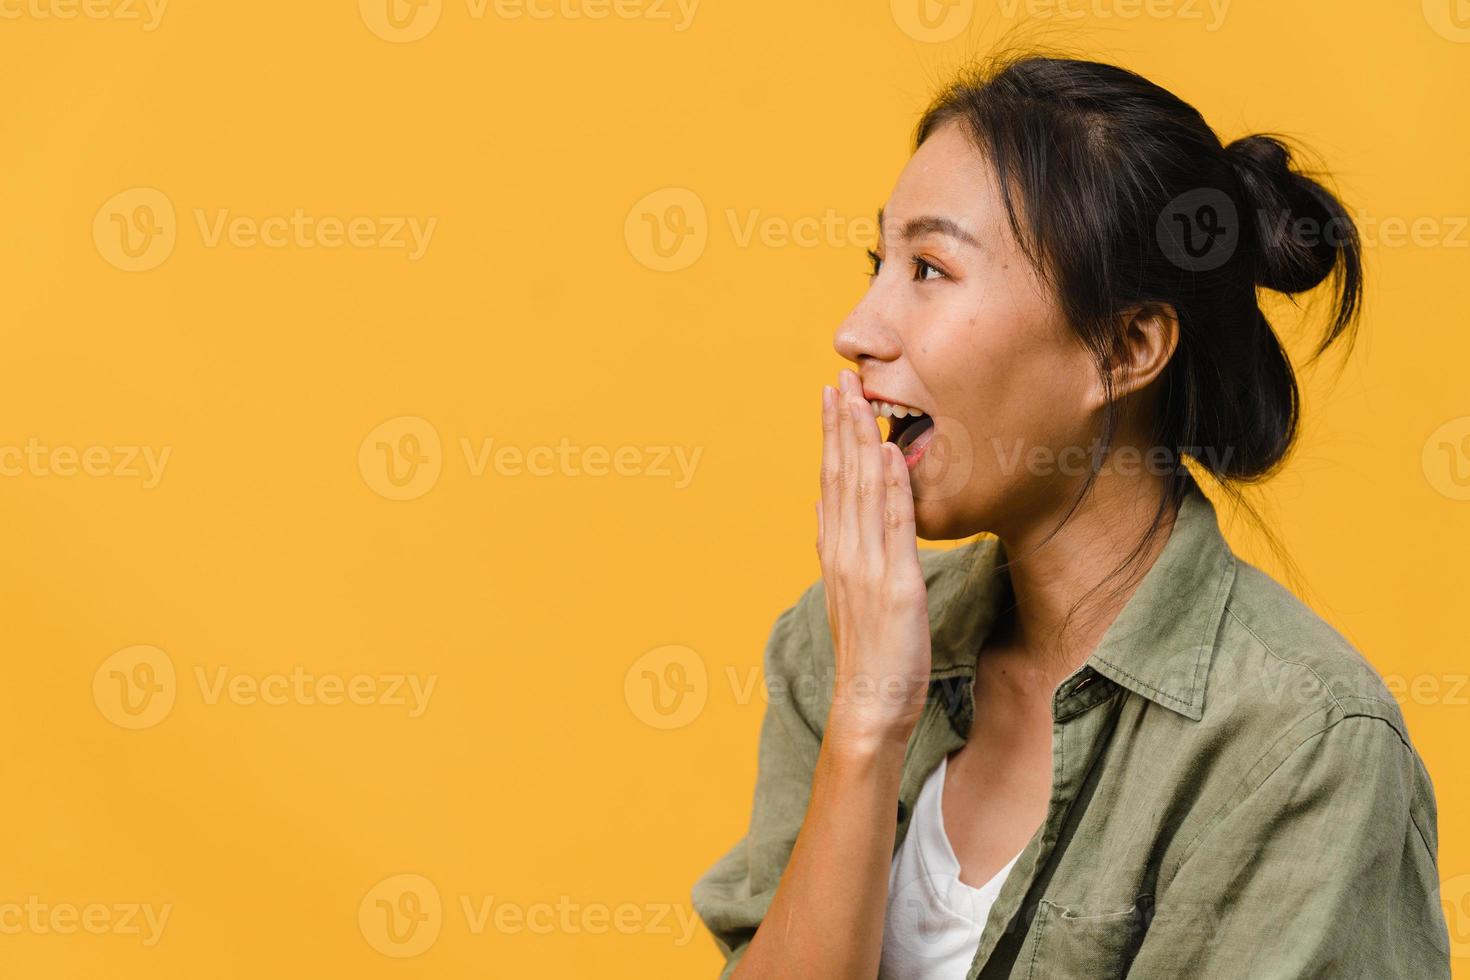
(946, 177)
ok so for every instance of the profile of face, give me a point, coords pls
(956, 322)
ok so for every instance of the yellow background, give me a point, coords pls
(541, 777)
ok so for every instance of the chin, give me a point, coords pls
(933, 521)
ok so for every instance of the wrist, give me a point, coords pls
(866, 737)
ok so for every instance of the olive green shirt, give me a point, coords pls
(1234, 791)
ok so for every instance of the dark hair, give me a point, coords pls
(1122, 196)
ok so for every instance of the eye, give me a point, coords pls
(921, 266)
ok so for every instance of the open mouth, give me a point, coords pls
(910, 431)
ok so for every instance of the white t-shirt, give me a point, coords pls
(934, 920)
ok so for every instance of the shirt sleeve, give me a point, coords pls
(1327, 868)
(732, 896)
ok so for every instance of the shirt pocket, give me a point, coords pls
(1068, 943)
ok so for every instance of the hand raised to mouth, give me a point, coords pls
(877, 603)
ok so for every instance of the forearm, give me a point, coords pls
(826, 918)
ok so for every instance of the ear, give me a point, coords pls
(1149, 336)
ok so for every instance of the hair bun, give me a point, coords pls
(1301, 229)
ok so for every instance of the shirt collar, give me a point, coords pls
(1160, 645)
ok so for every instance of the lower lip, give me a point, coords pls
(916, 451)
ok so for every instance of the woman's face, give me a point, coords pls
(957, 323)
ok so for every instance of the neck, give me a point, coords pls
(1047, 577)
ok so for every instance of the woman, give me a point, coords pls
(1024, 757)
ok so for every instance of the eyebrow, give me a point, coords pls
(931, 224)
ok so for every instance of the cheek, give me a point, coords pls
(1018, 376)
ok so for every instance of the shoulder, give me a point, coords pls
(1275, 653)
(1287, 689)
(1295, 713)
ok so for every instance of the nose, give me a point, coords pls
(867, 332)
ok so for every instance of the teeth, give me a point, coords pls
(888, 410)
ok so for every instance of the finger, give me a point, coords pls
(847, 460)
(900, 537)
(871, 483)
(831, 460)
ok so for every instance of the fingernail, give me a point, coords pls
(827, 392)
